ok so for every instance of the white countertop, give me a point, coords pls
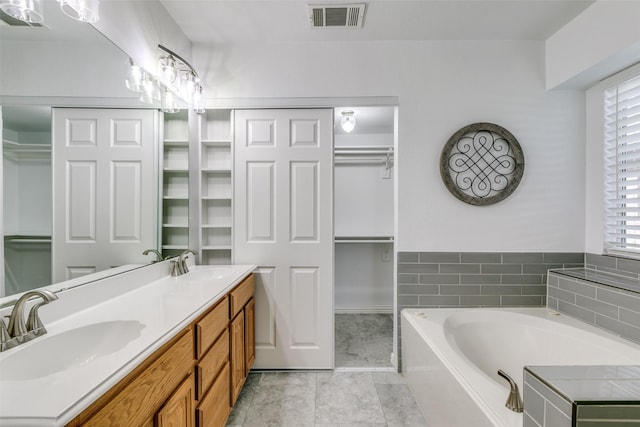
(165, 307)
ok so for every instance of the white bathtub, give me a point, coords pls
(451, 357)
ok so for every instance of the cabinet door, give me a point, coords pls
(178, 410)
(237, 356)
(214, 408)
(249, 335)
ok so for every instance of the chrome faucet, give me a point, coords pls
(514, 401)
(156, 252)
(179, 266)
(20, 330)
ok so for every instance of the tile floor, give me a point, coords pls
(363, 340)
(326, 399)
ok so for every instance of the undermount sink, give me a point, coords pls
(73, 348)
(198, 274)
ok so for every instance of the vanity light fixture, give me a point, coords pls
(177, 83)
(348, 121)
(29, 11)
(81, 10)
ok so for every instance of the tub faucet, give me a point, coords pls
(514, 401)
(20, 330)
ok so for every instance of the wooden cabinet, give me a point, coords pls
(193, 380)
(139, 396)
(178, 410)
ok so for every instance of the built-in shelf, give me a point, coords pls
(175, 184)
(216, 187)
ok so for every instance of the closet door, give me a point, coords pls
(104, 188)
(284, 219)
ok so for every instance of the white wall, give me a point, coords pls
(441, 86)
(602, 40)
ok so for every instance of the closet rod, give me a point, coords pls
(386, 151)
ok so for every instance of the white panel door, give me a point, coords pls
(284, 224)
(104, 187)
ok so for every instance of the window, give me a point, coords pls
(622, 167)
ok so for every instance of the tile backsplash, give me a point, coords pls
(473, 279)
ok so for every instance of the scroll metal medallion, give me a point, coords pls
(482, 164)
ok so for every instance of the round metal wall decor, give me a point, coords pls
(482, 164)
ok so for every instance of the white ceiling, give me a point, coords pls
(250, 21)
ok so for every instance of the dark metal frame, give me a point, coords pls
(482, 164)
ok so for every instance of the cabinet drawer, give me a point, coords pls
(209, 328)
(215, 406)
(144, 394)
(241, 294)
(211, 363)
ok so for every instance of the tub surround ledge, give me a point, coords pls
(599, 298)
(557, 396)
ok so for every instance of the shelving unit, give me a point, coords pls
(216, 187)
(175, 184)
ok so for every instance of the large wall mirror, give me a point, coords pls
(63, 63)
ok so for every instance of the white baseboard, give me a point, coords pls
(365, 310)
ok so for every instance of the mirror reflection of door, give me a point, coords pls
(105, 189)
(27, 206)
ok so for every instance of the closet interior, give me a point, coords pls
(364, 230)
(27, 194)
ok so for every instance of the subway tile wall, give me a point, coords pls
(622, 266)
(472, 279)
(476, 279)
(616, 310)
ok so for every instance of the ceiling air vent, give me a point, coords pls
(337, 15)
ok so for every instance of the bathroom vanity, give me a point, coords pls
(175, 351)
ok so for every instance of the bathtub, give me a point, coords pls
(451, 357)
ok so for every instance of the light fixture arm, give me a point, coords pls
(180, 59)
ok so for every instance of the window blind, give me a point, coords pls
(622, 167)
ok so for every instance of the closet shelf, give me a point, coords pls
(217, 248)
(174, 142)
(363, 239)
(182, 247)
(20, 238)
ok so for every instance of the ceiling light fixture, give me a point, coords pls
(348, 121)
(81, 10)
(29, 11)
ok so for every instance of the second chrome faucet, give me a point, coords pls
(179, 266)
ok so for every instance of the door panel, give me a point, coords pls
(283, 197)
(105, 189)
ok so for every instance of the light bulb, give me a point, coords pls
(150, 91)
(135, 77)
(189, 83)
(197, 100)
(168, 71)
(81, 10)
(169, 102)
(348, 121)
(24, 10)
